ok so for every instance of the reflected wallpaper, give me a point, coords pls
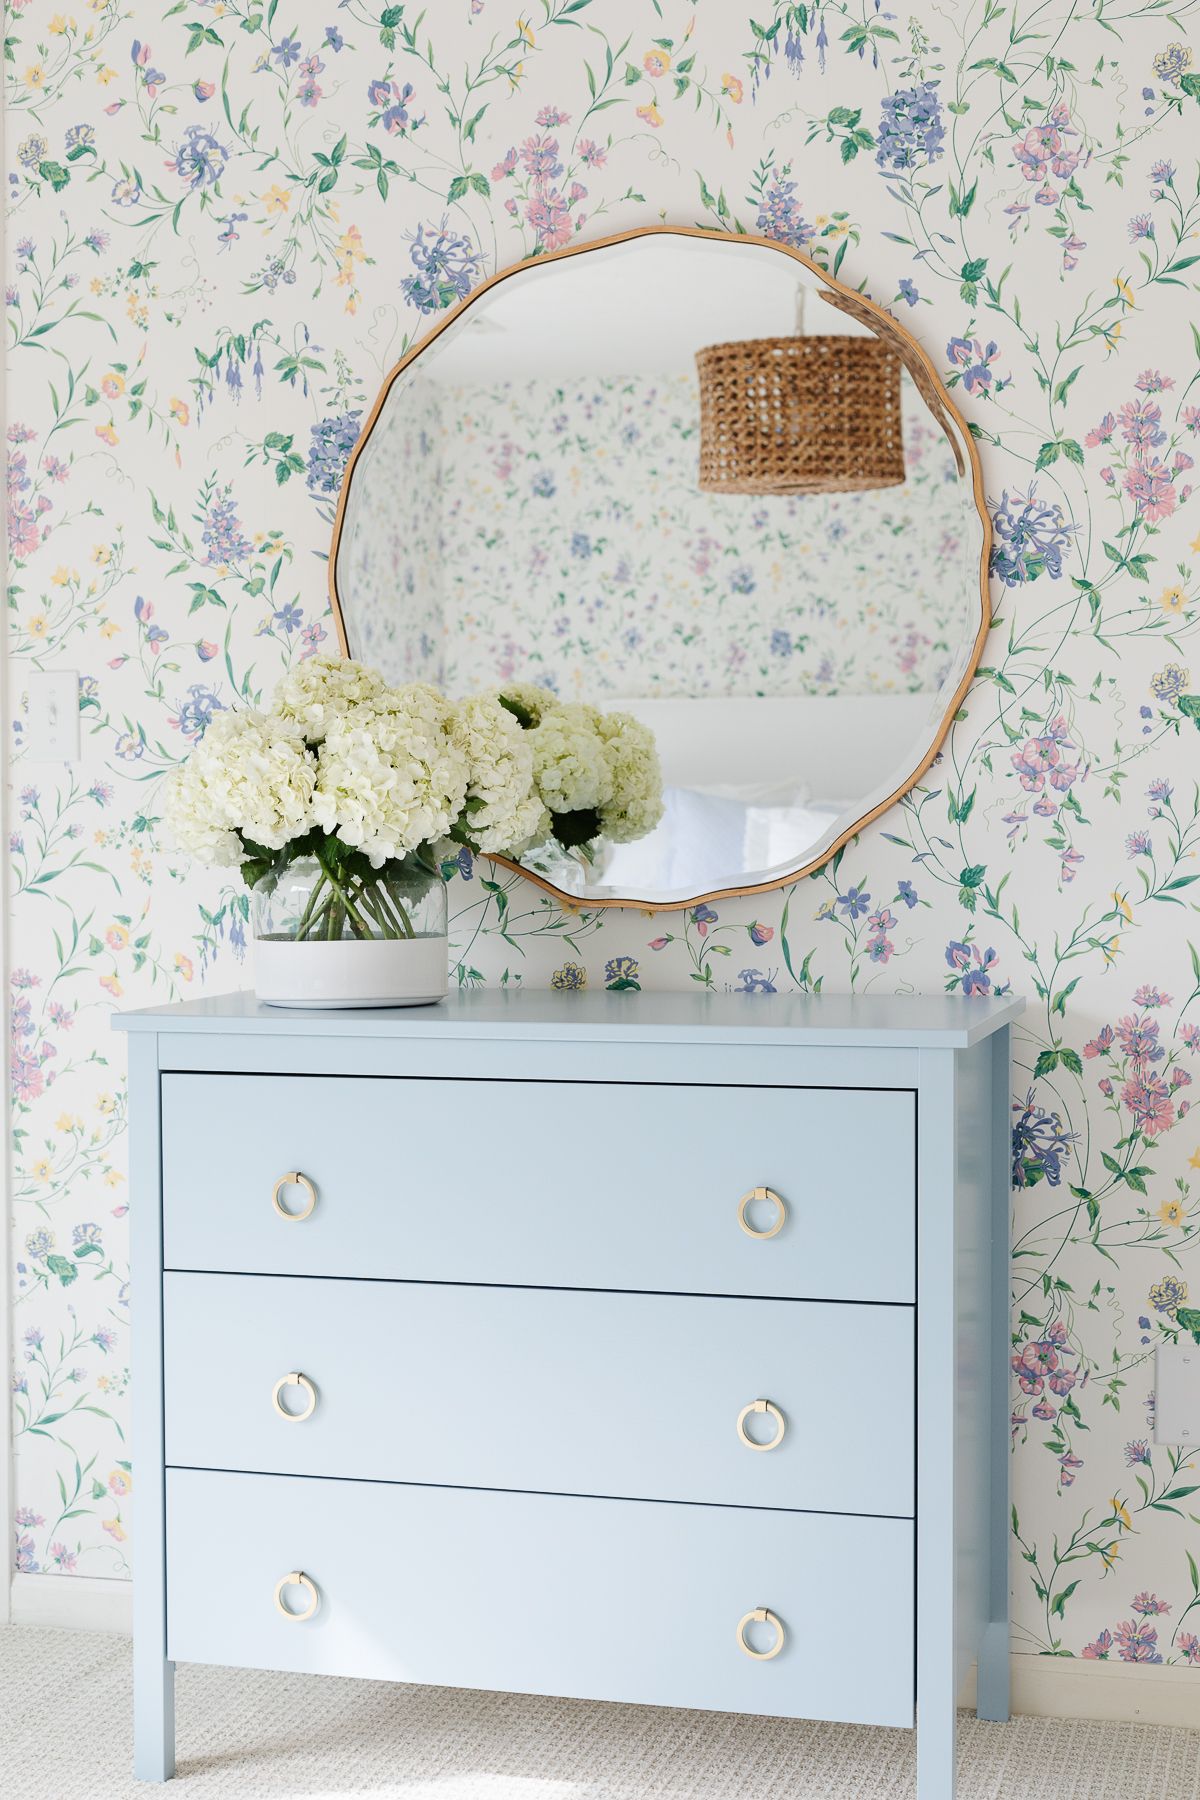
(227, 220)
(559, 532)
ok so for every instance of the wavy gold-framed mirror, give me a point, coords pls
(691, 477)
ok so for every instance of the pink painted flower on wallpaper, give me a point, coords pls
(502, 170)
(550, 216)
(1072, 249)
(1139, 1039)
(1141, 424)
(1101, 1044)
(1137, 1642)
(1069, 1466)
(539, 155)
(659, 943)
(1189, 1644)
(203, 90)
(591, 154)
(761, 934)
(1101, 433)
(1100, 1649)
(1149, 1100)
(1042, 759)
(1151, 382)
(1150, 486)
(152, 79)
(551, 115)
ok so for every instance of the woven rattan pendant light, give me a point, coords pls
(800, 415)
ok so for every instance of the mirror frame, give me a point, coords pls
(937, 399)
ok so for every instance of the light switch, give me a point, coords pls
(51, 716)
(1177, 1393)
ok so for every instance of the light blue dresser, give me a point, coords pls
(643, 1348)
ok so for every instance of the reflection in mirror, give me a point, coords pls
(526, 508)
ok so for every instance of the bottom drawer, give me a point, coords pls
(546, 1594)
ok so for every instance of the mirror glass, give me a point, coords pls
(525, 507)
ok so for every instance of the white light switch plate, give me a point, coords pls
(51, 716)
(1177, 1393)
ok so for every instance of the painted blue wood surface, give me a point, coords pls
(562, 1184)
(609, 1599)
(521, 1015)
(951, 1055)
(563, 1392)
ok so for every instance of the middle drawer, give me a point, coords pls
(552, 1390)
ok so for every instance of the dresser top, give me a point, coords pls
(894, 1021)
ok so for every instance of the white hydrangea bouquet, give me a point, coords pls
(340, 803)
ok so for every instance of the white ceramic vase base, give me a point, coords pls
(352, 972)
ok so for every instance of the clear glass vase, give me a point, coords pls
(303, 903)
(331, 938)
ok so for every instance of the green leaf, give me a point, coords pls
(65, 1270)
(1046, 1063)
(457, 188)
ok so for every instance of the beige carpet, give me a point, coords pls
(65, 1735)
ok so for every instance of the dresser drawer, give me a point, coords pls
(544, 1594)
(634, 1395)
(557, 1184)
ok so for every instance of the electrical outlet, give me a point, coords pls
(1177, 1393)
(51, 716)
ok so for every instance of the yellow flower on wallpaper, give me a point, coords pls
(41, 1170)
(1122, 1513)
(35, 76)
(1171, 1212)
(656, 62)
(1172, 599)
(651, 115)
(1194, 1159)
(731, 85)
(38, 625)
(108, 433)
(277, 199)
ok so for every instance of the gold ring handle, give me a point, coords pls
(762, 1193)
(294, 1176)
(298, 1579)
(295, 1379)
(761, 1616)
(755, 1406)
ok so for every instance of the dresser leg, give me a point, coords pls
(936, 1754)
(153, 1718)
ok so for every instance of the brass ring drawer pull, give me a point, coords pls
(762, 1193)
(297, 1579)
(757, 1406)
(300, 1181)
(297, 1380)
(761, 1616)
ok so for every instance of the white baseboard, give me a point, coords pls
(1064, 1687)
(72, 1602)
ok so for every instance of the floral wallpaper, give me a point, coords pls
(228, 218)
(564, 539)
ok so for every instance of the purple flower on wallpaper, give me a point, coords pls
(1151, 486)
(854, 902)
(1139, 1450)
(1031, 536)
(779, 215)
(1041, 1143)
(753, 981)
(329, 449)
(286, 51)
(910, 128)
(1099, 1650)
(908, 893)
(396, 117)
(200, 159)
(193, 715)
(221, 532)
(975, 360)
(446, 265)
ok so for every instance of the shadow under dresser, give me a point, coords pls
(630, 1347)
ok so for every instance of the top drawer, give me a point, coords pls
(555, 1184)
